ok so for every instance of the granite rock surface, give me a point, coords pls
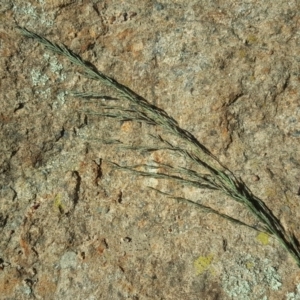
(73, 227)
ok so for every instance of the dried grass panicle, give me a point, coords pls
(215, 176)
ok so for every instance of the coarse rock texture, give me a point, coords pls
(73, 227)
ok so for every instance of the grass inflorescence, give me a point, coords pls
(215, 176)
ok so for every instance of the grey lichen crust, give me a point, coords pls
(249, 274)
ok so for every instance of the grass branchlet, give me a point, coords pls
(213, 175)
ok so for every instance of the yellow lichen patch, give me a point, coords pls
(242, 53)
(252, 39)
(249, 265)
(57, 203)
(263, 238)
(202, 263)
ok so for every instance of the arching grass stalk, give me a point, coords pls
(216, 176)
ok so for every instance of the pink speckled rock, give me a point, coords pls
(74, 228)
